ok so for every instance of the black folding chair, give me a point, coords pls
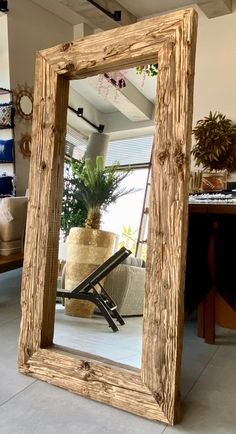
(86, 290)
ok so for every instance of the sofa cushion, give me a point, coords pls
(6, 115)
(6, 185)
(14, 230)
(10, 247)
(134, 262)
(6, 150)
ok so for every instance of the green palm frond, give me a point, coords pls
(96, 186)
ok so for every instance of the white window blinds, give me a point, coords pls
(133, 151)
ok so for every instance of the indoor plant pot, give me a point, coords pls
(86, 249)
(215, 150)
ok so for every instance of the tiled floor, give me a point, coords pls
(28, 406)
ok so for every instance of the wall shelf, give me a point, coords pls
(4, 92)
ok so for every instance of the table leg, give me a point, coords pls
(201, 320)
(210, 317)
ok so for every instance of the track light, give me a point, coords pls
(4, 6)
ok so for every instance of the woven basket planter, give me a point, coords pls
(86, 250)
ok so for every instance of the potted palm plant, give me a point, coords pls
(89, 246)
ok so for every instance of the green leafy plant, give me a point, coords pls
(74, 212)
(215, 146)
(129, 238)
(151, 70)
(97, 187)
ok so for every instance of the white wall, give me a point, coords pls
(215, 77)
(4, 57)
(30, 28)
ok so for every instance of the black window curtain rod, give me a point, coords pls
(116, 16)
(79, 112)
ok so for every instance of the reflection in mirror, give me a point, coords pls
(124, 105)
(96, 228)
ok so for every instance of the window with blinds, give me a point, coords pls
(130, 152)
(76, 143)
(127, 152)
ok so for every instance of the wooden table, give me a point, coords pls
(217, 220)
(10, 262)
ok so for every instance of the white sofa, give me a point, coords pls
(13, 212)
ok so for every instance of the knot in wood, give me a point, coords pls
(179, 157)
(114, 50)
(166, 285)
(70, 67)
(86, 376)
(162, 156)
(91, 63)
(86, 366)
(158, 397)
(65, 46)
(43, 165)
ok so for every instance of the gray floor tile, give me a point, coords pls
(210, 406)
(11, 381)
(43, 408)
(26, 405)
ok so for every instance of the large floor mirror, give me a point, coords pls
(138, 77)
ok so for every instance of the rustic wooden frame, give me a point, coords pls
(153, 391)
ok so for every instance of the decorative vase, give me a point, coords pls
(86, 250)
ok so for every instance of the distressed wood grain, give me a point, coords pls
(164, 301)
(108, 383)
(109, 51)
(38, 289)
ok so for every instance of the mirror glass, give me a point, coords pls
(26, 104)
(115, 119)
(121, 106)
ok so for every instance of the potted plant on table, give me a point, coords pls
(89, 246)
(215, 148)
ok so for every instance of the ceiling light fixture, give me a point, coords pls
(4, 6)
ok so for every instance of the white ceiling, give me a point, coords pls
(97, 93)
(93, 95)
(144, 8)
(146, 85)
(60, 10)
(140, 8)
(100, 101)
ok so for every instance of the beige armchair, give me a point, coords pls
(125, 285)
(13, 213)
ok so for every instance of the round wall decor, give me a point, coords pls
(25, 145)
(23, 99)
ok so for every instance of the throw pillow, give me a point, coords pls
(6, 150)
(6, 115)
(6, 186)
